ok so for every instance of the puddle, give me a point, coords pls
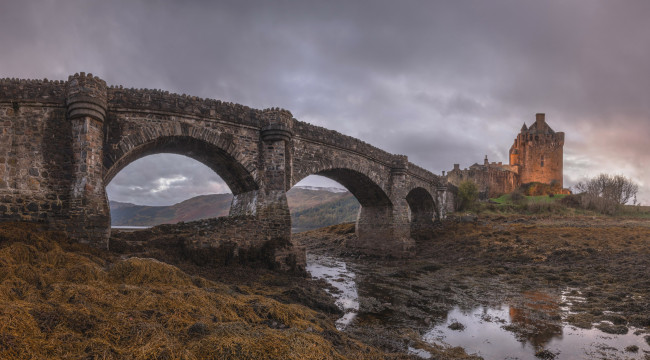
(518, 331)
(514, 330)
(337, 274)
(423, 354)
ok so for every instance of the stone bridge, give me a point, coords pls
(61, 143)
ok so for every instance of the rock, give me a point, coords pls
(456, 326)
(469, 218)
(544, 354)
(610, 328)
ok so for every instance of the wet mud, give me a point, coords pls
(528, 288)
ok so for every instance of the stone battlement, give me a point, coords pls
(42, 91)
(164, 101)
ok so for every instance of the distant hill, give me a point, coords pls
(337, 211)
(200, 207)
(311, 208)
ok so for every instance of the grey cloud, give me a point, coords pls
(441, 82)
(164, 179)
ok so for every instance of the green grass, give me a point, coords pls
(505, 199)
(545, 198)
(642, 212)
(550, 205)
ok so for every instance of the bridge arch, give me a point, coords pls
(367, 192)
(213, 150)
(380, 227)
(422, 208)
(353, 172)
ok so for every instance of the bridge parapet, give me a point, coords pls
(336, 139)
(42, 91)
(423, 173)
(164, 101)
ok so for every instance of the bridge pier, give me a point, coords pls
(271, 227)
(422, 225)
(384, 230)
(86, 98)
(271, 208)
(269, 204)
(441, 193)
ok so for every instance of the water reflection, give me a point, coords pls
(518, 329)
(337, 274)
(536, 319)
(483, 333)
(534, 323)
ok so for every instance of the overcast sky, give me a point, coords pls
(443, 82)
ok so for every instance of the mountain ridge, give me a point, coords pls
(311, 207)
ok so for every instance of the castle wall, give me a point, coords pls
(535, 156)
(492, 182)
(541, 159)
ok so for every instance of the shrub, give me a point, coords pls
(606, 193)
(539, 189)
(467, 195)
(517, 197)
(572, 201)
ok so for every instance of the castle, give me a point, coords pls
(535, 156)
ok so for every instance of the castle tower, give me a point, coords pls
(537, 153)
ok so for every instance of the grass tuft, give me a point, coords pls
(63, 300)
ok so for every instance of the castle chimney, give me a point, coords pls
(485, 162)
(539, 120)
(457, 167)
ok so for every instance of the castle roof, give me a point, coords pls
(538, 127)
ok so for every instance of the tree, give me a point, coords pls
(606, 193)
(467, 195)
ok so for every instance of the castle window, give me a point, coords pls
(542, 162)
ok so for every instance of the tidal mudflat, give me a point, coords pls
(506, 288)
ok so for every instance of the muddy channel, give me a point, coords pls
(462, 297)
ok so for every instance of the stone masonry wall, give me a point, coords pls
(61, 142)
(35, 151)
(542, 160)
(224, 240)
(229, 150)
(492, 182)
(86, 111)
